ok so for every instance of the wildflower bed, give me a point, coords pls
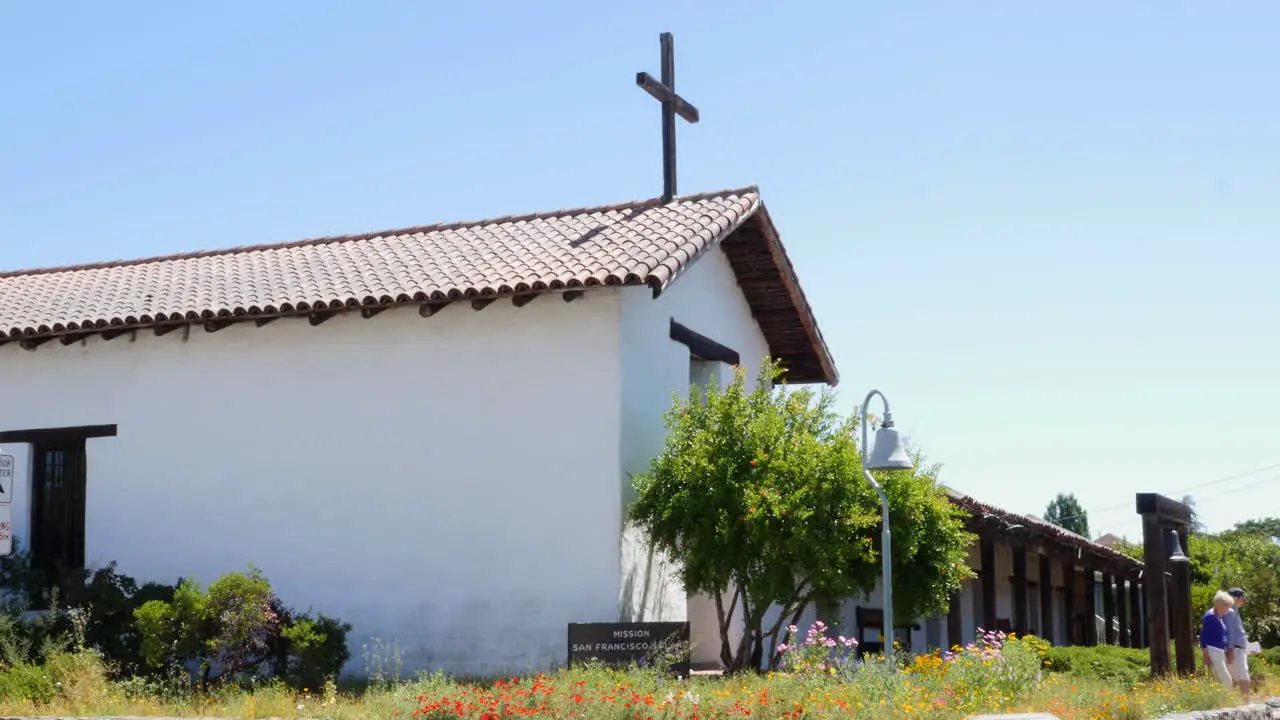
(632, 696)
(818, 679)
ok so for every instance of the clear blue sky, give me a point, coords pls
(1048, 231)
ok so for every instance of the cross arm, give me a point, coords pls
(662, 93)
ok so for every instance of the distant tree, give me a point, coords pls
(1066, 512)
(1197, 526)
(1262, 526)
(1133, 550)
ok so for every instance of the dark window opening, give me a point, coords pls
(58, 492)
(57, 508)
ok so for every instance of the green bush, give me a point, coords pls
(61, 673)
(238, 630)
(1110, 663)
(315, 650)
(86, 608)
(105, 601)
(23, 586)
(27, 682)
(33, 639)
(1267, 664)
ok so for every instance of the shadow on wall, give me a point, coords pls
(650, 585)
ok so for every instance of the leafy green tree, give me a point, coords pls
(1247, 560)
(1269, 527)
(1066, 512)
(759, 497)
(1236, 558)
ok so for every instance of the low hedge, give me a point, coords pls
(1103, 662)
(1127, 665)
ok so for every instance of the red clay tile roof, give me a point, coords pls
(1041, 529)
(641, 243)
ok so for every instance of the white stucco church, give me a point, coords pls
(428, 432)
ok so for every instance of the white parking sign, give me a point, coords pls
(6, 479)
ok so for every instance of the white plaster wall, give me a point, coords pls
(1059, 604)
(969, 614)
(1004, 589)
(1077, 597)
(706, 299)
(449, 483)
(1033, 593)
(935, 633)
(971, 598)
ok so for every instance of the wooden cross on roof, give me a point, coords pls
(672, 105)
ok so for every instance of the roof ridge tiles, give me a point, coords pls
(389, 232)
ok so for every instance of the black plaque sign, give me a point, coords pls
(621, 644)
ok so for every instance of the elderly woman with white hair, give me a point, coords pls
(1213, 638)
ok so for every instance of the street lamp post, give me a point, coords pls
(888, 454)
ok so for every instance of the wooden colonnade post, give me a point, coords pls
(1167, 585)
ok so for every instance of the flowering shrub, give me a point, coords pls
(993, 667)
(817, 653)
(990, 672)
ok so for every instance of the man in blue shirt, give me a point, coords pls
(1238, 642)
(1213, 638)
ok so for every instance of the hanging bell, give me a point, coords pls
(888, 453)
(1173, 546)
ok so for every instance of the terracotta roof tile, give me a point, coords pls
(1042, 528)
(642, 243)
